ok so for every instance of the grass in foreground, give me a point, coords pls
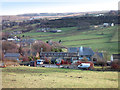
(38, 77)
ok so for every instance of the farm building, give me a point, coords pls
(73, 53)
(11, 39)
(56, 31)
(97, 57)
(82, 52)
(115, 61)
(55, 55)
(12, 56)
(105, 24)
(115, 57)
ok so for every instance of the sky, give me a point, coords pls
(15, 7)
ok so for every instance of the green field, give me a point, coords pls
(99, 39)
(38, 77)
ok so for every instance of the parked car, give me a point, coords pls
(32, 63)
(86, 65)
(40, 62)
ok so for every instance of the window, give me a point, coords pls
(94, 59)
(81, 55)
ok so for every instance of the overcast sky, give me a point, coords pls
(14, 7)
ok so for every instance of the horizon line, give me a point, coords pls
(59, 12)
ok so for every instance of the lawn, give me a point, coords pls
(40, 77)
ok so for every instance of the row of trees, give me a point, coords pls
(39, 46)
(82, 22)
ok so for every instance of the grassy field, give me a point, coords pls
(99, 39)
(38, 77)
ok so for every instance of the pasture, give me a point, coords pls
(99, 39)
(40, 77)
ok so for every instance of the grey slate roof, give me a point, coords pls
(85, 51)
(12, 55)
(99, 54)
(73, 49)
(81, 50)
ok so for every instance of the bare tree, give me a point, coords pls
(9, 47)
(41, 46)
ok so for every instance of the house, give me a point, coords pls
(73, 53)
(98, 56)
(17, 32)
(67, 56)
(12, 56)
(82, 52)
(105, 24)
(25, 42)
(56, 31)
(59, 30)
(115, 57)
(112, 24)
(115, 61)
(11, 39)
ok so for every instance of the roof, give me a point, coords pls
(12, 55)
(81, 50)
(73, 49)
(85, 51)
(116, 56)
(99, 54)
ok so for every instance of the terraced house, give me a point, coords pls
(73, 53)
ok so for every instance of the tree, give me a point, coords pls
(9, 47)
(5, 35)
(41, 46)
(23, 35)
(25, 58)
(21, 50)
(83, 25)
(60, 41)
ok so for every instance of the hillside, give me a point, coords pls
(96, 36)
(99, 39)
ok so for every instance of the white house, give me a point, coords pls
(59, 30)
(11, 39)
(105, 24)
(112, 24)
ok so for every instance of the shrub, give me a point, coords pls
(115, 65)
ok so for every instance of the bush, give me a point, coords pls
(11, 62)
(115, 65)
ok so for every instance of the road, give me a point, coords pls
(49, 65)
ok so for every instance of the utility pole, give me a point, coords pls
(30, 50)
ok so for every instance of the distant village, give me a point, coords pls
(26, 50)
(30, 50)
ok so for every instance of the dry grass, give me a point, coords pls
(37, 77)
